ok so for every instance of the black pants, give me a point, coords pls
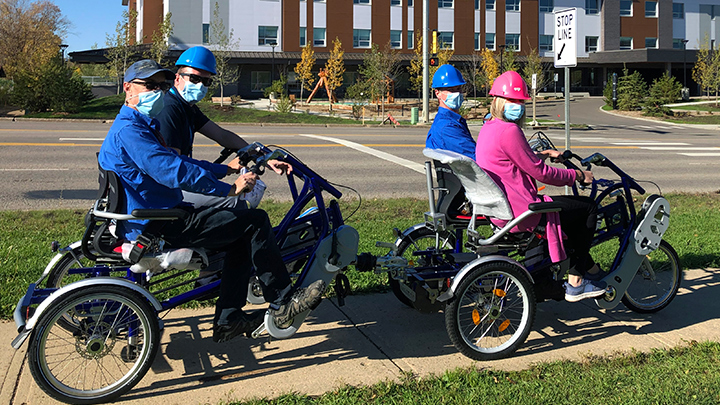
(578, 220)
(247, 238)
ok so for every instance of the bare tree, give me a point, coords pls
(221, 43)
(120, 45)
(161, 38)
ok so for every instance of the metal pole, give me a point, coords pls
(567, 116)
(426, 62)
(272, 70)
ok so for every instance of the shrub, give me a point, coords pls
(664, 90)
(55, 88)
(284, 105)
(359, 94)
(6, 87)
(632, 91)
(607, 94)
(277, 87)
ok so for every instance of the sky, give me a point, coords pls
(91, 21)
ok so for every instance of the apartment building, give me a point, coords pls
(650, 36)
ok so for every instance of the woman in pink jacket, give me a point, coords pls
(504, 153)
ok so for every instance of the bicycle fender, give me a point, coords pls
(471, 266)
(110, 282)
(407, 232)
(56, 259)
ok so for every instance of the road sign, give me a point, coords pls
(565, 38)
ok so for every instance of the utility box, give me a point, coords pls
(414, 115)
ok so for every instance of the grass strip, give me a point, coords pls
(688, 374)
(26, 237)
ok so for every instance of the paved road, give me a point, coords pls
(51, 164)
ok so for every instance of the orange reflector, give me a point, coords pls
(504, 325)
(500, 293)
(476, 317)
(541, 188)
(411, 263)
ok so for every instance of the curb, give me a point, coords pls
(703, 126)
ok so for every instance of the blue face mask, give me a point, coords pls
(513, 111)
(454, 101)
(150, 103)
(193, 92)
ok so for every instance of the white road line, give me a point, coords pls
(699, 154)
(679, 149)
(370, 151)
(33, 170)
(81, 139)
(644, 127)
(651, 143)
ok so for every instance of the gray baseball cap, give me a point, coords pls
(145, 68)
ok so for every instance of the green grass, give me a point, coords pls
(688, 374)
(103, 108)
(26, 238)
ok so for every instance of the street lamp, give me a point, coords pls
(62, 52)
(502, 53)
(272, 69)
(684, 42)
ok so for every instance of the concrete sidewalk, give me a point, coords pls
(375, 338)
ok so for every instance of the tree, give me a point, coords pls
(30, 34)
(334, 68)
(702, 72)
(632, 91)
(56, 88)
(489, 68)
(416, 64)
(535, 65)
(221, 43)
(664, 90)
(120, 45)
(508, 59)
(379, 69)
(303, 69)
(161, 38)
(471, 73)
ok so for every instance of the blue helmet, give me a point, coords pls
(198, 57)
(447, 76)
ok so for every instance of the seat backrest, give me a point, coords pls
(452, 193)
(487, 198)
(111, 189)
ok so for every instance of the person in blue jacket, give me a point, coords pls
(154, 175)
(449, 130)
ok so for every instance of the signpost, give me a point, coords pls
(565, 47)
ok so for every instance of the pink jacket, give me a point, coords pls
(503, 152)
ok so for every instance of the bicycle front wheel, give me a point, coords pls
(656, 282)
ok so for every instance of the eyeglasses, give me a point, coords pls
(206, 81)
(164, 86)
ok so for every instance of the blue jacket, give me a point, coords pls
(449, 131)
(151, 174)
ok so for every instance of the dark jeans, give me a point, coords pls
(578, 219)
(247, 238)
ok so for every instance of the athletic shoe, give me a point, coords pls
(302, 300)
(586, 289)
(247, 323)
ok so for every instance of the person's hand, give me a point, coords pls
(584, 176)
(554, 155)
(234, 166)
(279, 167)
(244, 183)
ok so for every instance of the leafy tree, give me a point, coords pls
(535, 65)
(56, 88)
(303, 69)
(120, 45)
(334, 68)
(6, 87)
(161, 38)
(30, 34)
(378, 69)
(221, 44)
(416, 64)
(702, 72)
(508, 59)
(632, 91)
(489, 68)
(664, 90)
(359, 94)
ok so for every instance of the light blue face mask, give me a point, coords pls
(513, 111)
(193, 92)
(454, 101)
(150, 103)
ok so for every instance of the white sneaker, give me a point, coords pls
(586, 289)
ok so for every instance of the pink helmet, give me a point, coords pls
(510, 85)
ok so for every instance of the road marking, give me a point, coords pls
(699, 154)
(651, 143)
(47, 144)
(374, 152)
(81, 139)
(32, 170)
(679, 149)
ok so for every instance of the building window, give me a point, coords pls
(626, 8)
(396, 39)
(626, 43)
(512, 5)
(361, 1)
(650, 42)
(512, 42)
(410, 3)
(361, 38)
(679, 10)
(445, 40)
(477, 41)
(267, 35)
(477, 4)
(546, 6)
(319, 37)
(545, 43)
(303, 36)
(206, 34)
(319, 1)
(678, 43)
(592, 7)
(651, 9)
(591, 44)
(445, 3)
(489, 4)
(411, 40)
(490, 41)
(396, 2)
(259, 80)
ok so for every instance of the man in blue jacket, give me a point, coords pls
(154, 175)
